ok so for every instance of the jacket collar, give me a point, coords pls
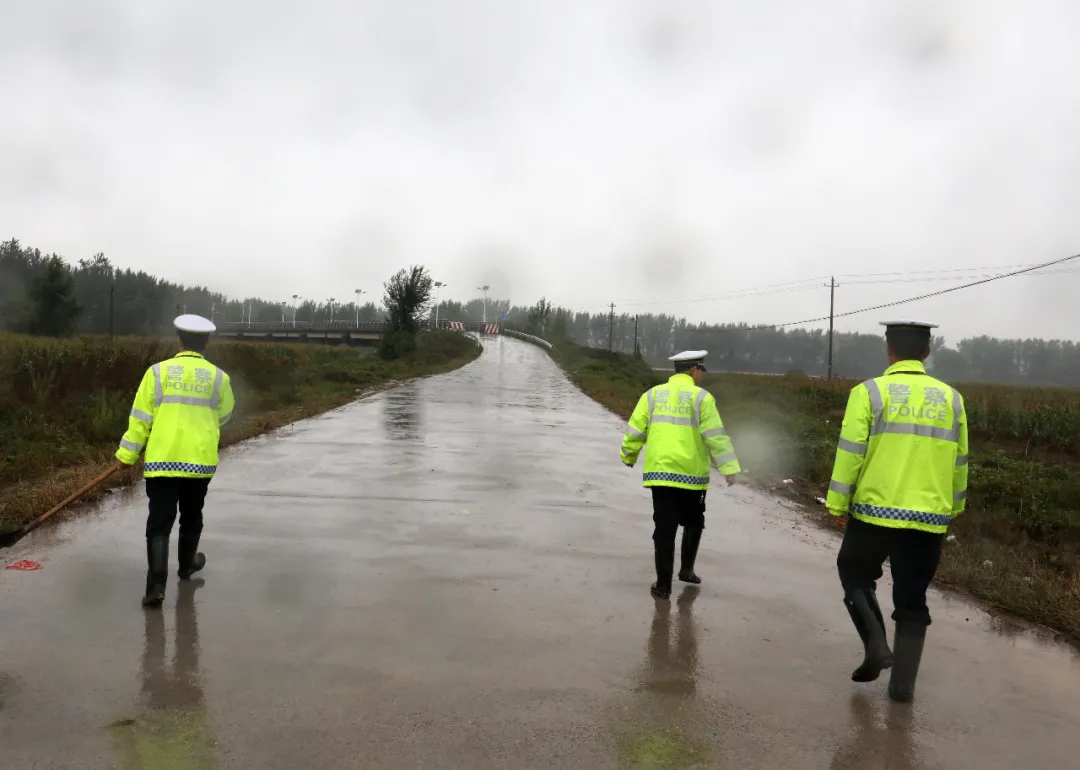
(189, 354)
(681, 378)
(906, 366)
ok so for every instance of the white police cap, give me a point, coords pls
(909, 323)
(195, 324)
(689, 355)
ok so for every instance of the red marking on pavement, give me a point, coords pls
(25, 565)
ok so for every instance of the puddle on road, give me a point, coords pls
(173, 730)
(402, 414)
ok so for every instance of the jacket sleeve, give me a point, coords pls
(716, 439)
(851, 451)
(960, 472)
(636, 431)
(139, 422)
(226, 404)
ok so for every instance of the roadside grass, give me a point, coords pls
(64, 404)
(1018, 544)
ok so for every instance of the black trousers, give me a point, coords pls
(673, 507)
(913, 557)
(166, 495)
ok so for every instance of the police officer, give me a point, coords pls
(901, 472)
(179, 410)
(679, 425)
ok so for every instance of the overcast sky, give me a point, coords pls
(650, 153)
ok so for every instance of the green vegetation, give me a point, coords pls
(660, 750)
(407, 299)
(1016, 546)
(64, 404)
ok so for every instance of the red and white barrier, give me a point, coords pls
(491, 329)
(457, 325)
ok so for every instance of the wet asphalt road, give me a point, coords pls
(454, 574)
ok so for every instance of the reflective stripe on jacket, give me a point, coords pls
(681, 430)
(177, 417)
(902, 460)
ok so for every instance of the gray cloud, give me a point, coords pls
(623, 150)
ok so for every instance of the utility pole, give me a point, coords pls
(331, 310)
(611, 329)
(295, 303)
(832, 305)
(358, 292)
(637, 353)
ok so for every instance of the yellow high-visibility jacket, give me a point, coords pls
(681, 431)
(902, 461)
(178, 413)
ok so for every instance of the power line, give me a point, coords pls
(1029, 270)
(959, 274)
(957, 277)
(912, 299)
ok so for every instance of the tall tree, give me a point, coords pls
(539, 315)
(407, 298)
(53, 309)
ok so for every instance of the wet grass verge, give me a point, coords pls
(1016, 547)
(64, 404)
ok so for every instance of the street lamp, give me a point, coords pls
(331, 310)
(358, 292)
(485, 290)
(296, 301)
(438, 285)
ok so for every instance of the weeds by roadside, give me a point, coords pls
(64, 403)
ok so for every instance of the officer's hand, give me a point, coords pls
(731, 480)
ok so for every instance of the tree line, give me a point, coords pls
(741, 348)
(44, 294)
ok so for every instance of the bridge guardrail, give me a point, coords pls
(528, 338)
(254, 326)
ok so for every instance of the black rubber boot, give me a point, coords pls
(691, 539)
(157, 572)
(865, 613)
(909, 646)
(191, 561)
(665, 565)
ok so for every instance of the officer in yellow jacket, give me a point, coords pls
(681, 431)
(179, 410)
(901, 473)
